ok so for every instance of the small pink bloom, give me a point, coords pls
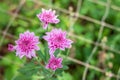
(47, 16)
(27, 44)
(11, 47)
(57, 39)
(54, 63)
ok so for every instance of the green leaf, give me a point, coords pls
(56, 52)
(59, 72)
(65, 76)
(66, 52)
(46, 73)
(29, 69)
(65, 67)
(47, 56)
(22, 77)
(41, 55)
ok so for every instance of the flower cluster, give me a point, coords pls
(27, 43)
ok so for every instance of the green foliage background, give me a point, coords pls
(81, 50)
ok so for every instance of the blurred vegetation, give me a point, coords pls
(81, 50)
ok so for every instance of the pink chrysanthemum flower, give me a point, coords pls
(54, 63)
(57, 40)
(47, 16)
(26, 45)
(11, 47)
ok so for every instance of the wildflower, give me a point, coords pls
(26, 45)
(54, 63)
(47, 16)
(57, 39)
(11, 47)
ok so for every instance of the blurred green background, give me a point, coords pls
(83, 30)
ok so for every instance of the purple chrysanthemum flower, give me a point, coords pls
(11, 47)
(47, 16)
(26, 45)
(54, 63)
(57, 39)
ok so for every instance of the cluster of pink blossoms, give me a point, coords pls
(56, 40)
(27, 43)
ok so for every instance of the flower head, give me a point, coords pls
(26, 45)
(57, 39)
(54, 63)
(11, 47)
(47, 16)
